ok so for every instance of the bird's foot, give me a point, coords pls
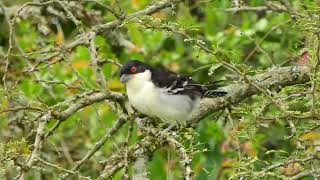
(163, 132)
(142, 122)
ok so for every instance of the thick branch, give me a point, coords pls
(272, 79)
(140, 167)
(86, 101)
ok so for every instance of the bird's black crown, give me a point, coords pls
(133, 67)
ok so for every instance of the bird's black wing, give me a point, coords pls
(181, 84)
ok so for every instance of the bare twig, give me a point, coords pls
(94, 58)
(255, 9)
(55, 166)
(10, 24)
(304, 174)
(258, 44)
(126, 167)
(105, 61)
(21, 108)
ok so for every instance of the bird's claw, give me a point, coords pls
(142, 122)
(163, 132)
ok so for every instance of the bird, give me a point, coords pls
(162, 94)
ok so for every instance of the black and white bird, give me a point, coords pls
(163, 94)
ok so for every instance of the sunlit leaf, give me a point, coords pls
(311, 136)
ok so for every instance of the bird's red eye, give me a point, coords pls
(133, 69)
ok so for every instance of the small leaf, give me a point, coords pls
(59, 37)
(80, 64)
(248, 149)
(291, 169)
(228, 163)
(114, 85)
(311, 136)
(304, 58)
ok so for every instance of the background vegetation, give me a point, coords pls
(63, 109)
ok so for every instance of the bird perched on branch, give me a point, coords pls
(163, 94)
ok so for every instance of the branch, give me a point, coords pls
(273, 79)
(37, 144)
(140, 167)
(86, 101)
(254, 9)
(270, 6)
(147, 11)
(94, 60)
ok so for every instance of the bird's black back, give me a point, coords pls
(181, 84)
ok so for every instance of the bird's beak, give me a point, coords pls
(124, 78)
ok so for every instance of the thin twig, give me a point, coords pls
(126, 144)
(263, 39)
(94, 58)
(55, 166)
(312, 157)
(10, 24)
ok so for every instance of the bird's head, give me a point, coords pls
(131, 69)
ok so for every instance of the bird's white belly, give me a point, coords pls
(155, 102)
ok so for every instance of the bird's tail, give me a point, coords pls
(211, 89)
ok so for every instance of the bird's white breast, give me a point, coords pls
(156, 102)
